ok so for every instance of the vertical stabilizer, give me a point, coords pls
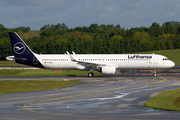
(20, 49)
(22, 53)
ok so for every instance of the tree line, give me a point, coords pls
(94, 39)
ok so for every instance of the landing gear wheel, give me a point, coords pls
(154, 73)
(90, 74)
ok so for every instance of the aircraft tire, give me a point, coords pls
(90, 74)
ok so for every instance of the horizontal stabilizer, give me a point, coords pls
(10, 58)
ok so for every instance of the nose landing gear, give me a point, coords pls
(154, 73)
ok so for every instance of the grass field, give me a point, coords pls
(10, 63)
(42, 72)
(169, 100)
(33, 85)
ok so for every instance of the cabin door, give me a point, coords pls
(155, 60)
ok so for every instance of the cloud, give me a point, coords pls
(127, 13)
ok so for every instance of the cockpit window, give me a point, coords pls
(165, 59)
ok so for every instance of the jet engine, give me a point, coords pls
(108, 70)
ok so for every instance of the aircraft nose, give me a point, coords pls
(172, 64)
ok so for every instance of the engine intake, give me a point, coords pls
(108, 70)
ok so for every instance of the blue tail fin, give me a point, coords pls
(22, 53)
(20, 49)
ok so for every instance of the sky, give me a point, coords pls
(74, 13)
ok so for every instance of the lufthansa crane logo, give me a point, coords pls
(19, 48)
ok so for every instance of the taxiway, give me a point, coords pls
(102, 98)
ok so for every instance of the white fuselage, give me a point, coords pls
(120, 61)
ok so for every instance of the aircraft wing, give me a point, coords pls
(86, 64)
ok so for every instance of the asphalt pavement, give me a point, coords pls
(102, 97)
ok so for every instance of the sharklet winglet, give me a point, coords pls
(70, 56)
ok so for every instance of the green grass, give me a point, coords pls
(169, 100)
(33, 85)
(10, 63)
(42, 72)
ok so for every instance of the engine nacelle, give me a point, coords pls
(108, 70)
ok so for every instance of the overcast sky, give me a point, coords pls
(127, 13)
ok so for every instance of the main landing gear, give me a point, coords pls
(90, 74)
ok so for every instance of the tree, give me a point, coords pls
(141, 36)
(2, 28)
(48, 34)
(177, 41)
(170, 27)
(116, 37)
(86, 38)
(178, 30)
(169, 44)
(110, 49)
(52, 28)
(155, 30)
(5, 50)
(75, 35)
(165, 36)
(93, 28)
(64, 27)
(58, 27)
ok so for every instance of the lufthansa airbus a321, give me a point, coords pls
(104, 63)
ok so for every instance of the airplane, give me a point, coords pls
(104, 63)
